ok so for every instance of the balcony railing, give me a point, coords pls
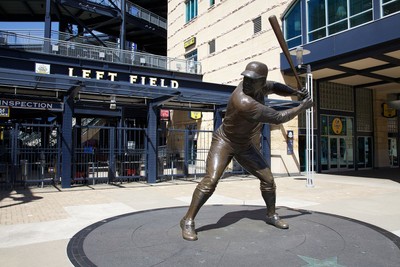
(92, 52)
(69, 37)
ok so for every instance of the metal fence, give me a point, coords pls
(183, 153)
(31, 154)
(99, 53)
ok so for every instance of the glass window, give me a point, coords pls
(316, 19)
(212, 2)
(360, 12)
(292, 26)
(390, 6)
(327, 17)
(191, 55)
(191, 58)
(191, 9)
(337, 16)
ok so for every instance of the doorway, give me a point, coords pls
(364, 152)
(393, 158)
(336, 143)
(338, 158)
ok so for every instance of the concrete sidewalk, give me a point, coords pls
(36, 224)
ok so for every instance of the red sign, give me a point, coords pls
(164, 114)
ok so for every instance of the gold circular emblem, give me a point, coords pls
(337, 125)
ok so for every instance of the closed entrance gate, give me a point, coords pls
(30, 153)
(108, 154)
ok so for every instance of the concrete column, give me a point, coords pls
(152, 146)
(66, 144)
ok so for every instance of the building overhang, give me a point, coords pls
(365, 57)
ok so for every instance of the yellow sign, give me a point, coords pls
(189, 42)
(388, 112)
(195, 115)
(337, 125)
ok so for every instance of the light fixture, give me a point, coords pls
(142, 61)
(299, 53)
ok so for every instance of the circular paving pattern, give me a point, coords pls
(233, 236)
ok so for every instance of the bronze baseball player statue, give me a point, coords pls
(234, 139)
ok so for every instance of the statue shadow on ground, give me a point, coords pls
(258, 215)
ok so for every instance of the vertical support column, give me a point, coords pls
(318, 120)
(152, 146)
(66, 144)
(47, 26)
(309, 132)
(186, 157)
(121, 132)
(122, 37)
(266, 143)
(14, 156)
(376, 7)
(355, 131)
(398, 135)
(111, 156)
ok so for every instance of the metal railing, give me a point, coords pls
(78, 50)
(68, 37)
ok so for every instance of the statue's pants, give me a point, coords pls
(247, 155)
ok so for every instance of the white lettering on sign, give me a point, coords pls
(133, 79)
(31, 104)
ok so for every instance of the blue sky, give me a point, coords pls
(25, 26)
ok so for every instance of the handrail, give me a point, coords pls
(99, 53)
(65, 36)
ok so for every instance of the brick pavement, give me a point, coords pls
(46, 218)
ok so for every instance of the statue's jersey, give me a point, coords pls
(240, 124)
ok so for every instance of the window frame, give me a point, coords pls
(382, 5)
(191, 10)
(297, 4)
(356, 13)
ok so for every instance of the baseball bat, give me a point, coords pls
(278, 33)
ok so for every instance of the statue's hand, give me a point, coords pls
(307, 103)
(303, 93)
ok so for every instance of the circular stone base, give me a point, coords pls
(233, 236)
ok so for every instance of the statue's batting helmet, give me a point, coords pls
(255, 70)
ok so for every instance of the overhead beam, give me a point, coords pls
(84, 26)
(365, 73)
(25, 3)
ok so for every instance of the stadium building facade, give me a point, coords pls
(351, 48)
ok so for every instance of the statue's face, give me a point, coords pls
(252, 86)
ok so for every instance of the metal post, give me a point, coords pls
(47, 27)
(309, 132)
(123, 25)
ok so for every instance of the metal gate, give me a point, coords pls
(183, 153)
(130, 154)
(30, 154)
(108, 154)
